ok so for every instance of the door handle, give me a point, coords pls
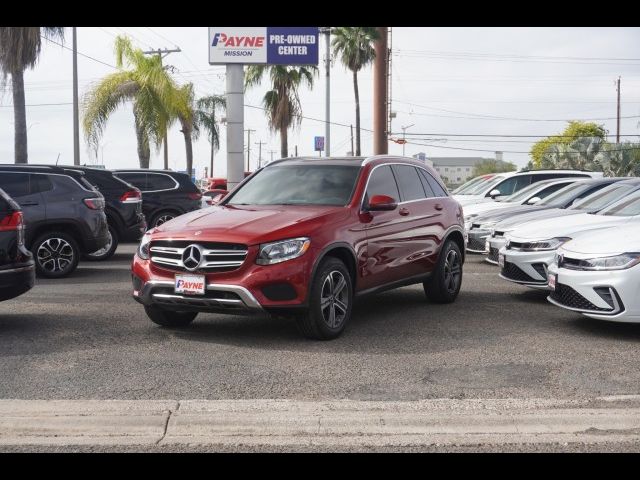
(28, 204)
(404, 211)
(438, 206)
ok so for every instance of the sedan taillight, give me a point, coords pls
(131, 196)
(94, 203)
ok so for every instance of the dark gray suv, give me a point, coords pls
(64, 215)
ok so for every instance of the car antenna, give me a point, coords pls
(57, 159)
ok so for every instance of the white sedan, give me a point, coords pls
(597, 274)
(530, 249)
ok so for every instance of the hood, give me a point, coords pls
(503, 214)
(480, 208)
(471, 199)
(531, 216)
(249, 224)
(564, 227)
(606, 241)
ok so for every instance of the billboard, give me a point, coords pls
(263, 45)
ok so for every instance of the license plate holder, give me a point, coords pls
(552, 281)
(189, 284)
(501, 260)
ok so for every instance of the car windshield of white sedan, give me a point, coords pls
(523, 194)
(562, 196)
(604, 197)
(299, 185)
(471, 184)
(627, 207)
(484, 186)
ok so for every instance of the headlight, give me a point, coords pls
(143, 248)
(284, 250)
(542, 245)
(616, 262)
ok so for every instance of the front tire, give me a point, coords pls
(162, 217)
(168, 318)
(56, 254)
(444, 284)
(107, 251)
(330, 301)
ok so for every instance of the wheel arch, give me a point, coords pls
(342, 251)
(455, 234)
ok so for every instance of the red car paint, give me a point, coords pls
(383, 249)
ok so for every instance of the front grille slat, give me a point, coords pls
(476, 243)
(513, 272)
(216, 257)
(493, 254)
(567, 296)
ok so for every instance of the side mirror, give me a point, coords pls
(533, 200)
(494, 193)
(381, 203)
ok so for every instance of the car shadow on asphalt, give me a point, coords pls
(629, 332)
(86, 274)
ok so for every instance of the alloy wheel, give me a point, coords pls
(334, 299)
(452, 271)
(103, 250)
(55, 254)
(163, 218)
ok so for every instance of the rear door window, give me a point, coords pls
(160, 181)
(40, 183)
(409, 183)
(437, 189)
(382, 182)
(15, 184)
(136, 179)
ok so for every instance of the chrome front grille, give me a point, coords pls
(215, 257)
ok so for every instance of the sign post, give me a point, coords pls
(318, 145)
(236, 47)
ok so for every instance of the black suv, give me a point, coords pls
(165, 194)
(17, 270)
(123, 208)
(63, 213)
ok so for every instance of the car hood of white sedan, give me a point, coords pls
(606, 242)
(478, 208)
(564, 226)
(471, 199)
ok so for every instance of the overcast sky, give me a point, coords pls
(445, 81)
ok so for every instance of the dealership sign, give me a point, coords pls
(263, 45)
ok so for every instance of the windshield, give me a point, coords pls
(471, 184)
(628, 206)
(482, 187)
(524, 194)
(299, 185)
(564, 195)
(604, 197)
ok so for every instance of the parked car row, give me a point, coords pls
(580, 244)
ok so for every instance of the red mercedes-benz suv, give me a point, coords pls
(302, 237)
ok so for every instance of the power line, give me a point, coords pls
(499, 135)
(81, 54)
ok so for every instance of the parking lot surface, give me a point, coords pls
(84, 337)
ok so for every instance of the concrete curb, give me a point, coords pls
(322, 423)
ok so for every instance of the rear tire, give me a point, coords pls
(107, 252)
(444, 284)
(56, 254)
(162, 217)
(168, 318)
(330, 301)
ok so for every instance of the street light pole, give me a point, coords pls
(76, 121)
(327, 107)
(404, 136)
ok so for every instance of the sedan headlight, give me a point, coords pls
(542, 245)
(616, 262)
(143, 248)
(282, 251)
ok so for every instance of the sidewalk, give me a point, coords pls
(291, 423)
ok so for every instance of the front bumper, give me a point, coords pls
(249, 289)
(495, 244)
(577, 290)
(477, 240)
(526, 268)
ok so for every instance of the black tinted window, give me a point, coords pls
(437, 189)
(382, 182)
(159, 181)
(40, 183)
(138, 180)
(409, 182)
(15, 184)
(427, 188)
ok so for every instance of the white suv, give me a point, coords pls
(511, 182)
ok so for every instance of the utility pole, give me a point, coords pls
(163, 52)
(272, 152)
(260, 143)
(76, 121)
(296, 151)
(327, 106)
(380, 101)
(352, 151)
(249, 130)
(618, 122)
(235, 123)
(404, 136)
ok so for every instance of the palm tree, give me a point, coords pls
(184, 111)
(354, 46)
(156, 99)
(282, 103)
(19, 50)
(205, 118)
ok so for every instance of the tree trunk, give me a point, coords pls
(20, 117)
(211, 173)
(144, 153)
(189, 150)
(357, 94)
(166, 150)
(284, 151)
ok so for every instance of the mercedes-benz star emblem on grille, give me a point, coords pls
(191, 257)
